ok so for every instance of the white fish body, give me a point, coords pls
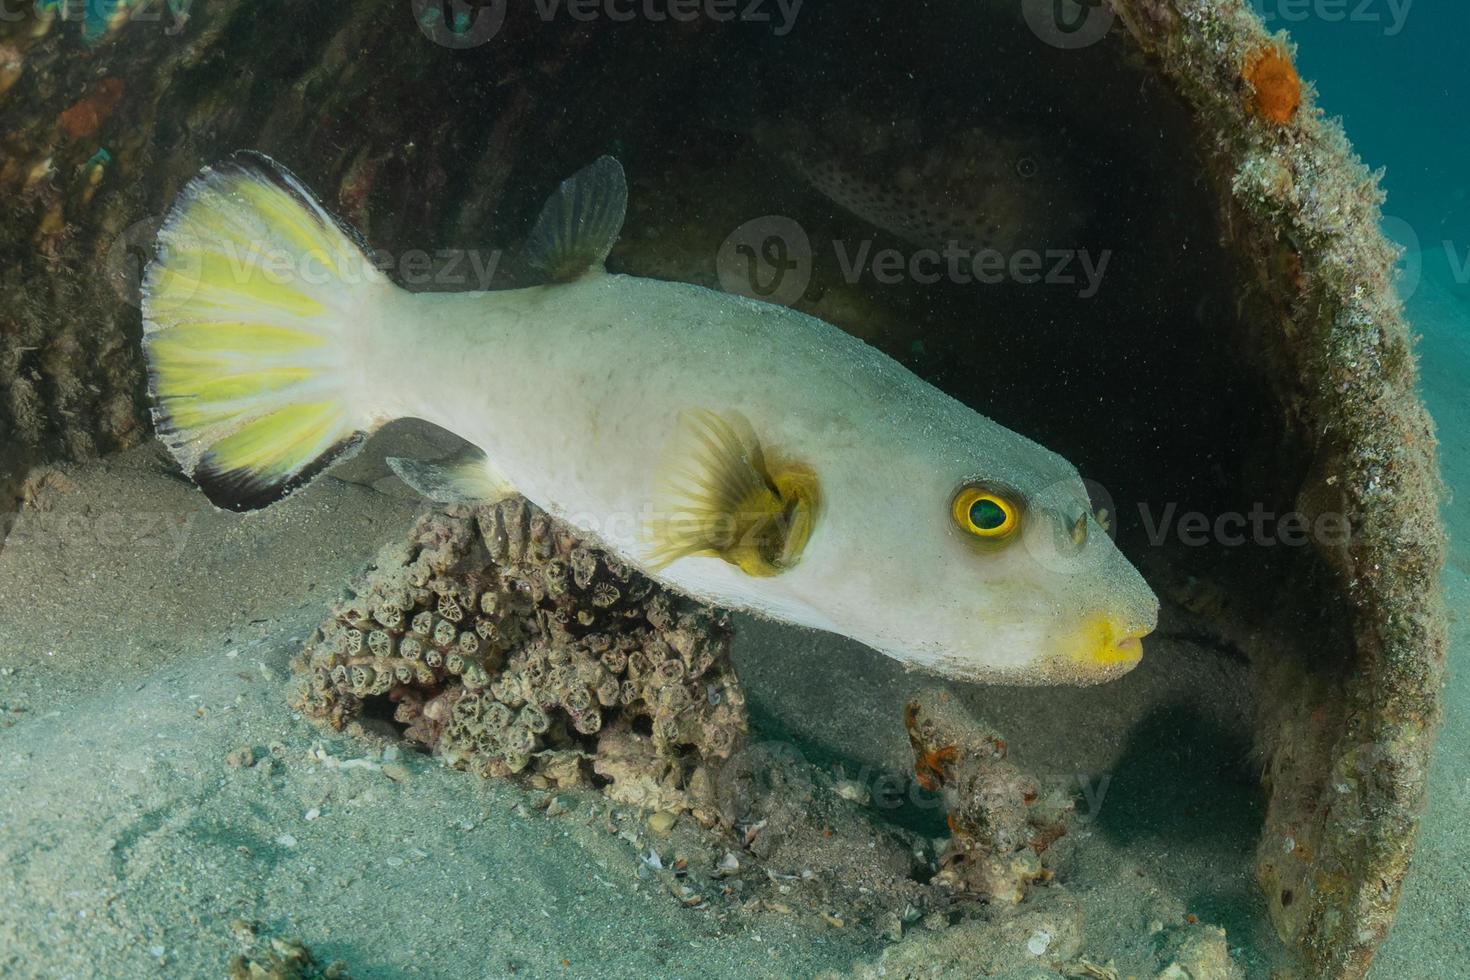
(581, 394)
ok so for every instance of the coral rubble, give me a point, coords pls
(1001, 821)
(506, 645)
(282, 959)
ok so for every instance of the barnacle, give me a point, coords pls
(362, 679)
(469, 708)
(578, 699)
(444, 633)
(497, 716)
(380, 643)
(536, 661)
(450, 609)
(589, 722)
(584, 565)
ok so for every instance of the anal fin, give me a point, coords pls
(466, 477)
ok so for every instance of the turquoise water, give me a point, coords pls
(1400, 91)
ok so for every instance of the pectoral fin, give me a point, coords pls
(580, 223)
(463, 478)
(723, 495)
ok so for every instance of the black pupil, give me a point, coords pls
(986, 514)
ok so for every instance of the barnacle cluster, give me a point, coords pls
(1001, 820)
(506, 645)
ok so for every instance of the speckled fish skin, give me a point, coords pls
(979, 190)
(573, 390)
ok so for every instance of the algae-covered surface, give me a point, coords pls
(1432, 934)
(165, 810)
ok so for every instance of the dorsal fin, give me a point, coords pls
(579, 224)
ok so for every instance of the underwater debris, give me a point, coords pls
(985, 947)
(1276, 88)
(281, 959)
(506, 645)
(1199, 951)
(1000, 820)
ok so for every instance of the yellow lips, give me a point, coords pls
(1105, 642)
(1128, 648)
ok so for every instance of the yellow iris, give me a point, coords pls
(986, 513)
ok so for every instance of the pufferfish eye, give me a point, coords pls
(988, 514)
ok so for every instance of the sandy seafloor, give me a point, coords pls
(146, 637)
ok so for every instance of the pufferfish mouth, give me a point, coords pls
(1105, 643)
(1130, 647)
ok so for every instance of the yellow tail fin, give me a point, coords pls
(244, 311)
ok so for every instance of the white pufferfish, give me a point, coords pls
(739, 452)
